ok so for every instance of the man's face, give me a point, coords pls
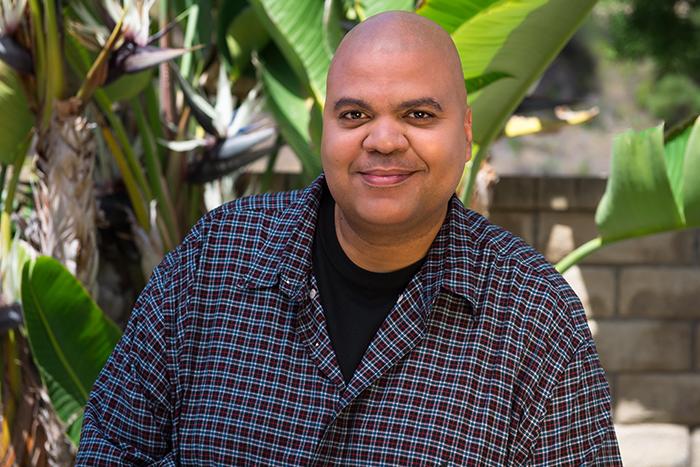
(395, 136)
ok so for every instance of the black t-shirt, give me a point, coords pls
(355, 301)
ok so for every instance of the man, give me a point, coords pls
(367, 320)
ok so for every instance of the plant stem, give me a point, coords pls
(136, 197)
(579, 253)
(194, 202)
(132, 163)
(152, 113)
(478, 157)
(40, 61)
(190, 30)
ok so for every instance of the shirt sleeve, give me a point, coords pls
(129, 415)
(577, 428)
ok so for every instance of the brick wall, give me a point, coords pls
(642, 298)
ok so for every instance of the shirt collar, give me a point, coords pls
(285, 255)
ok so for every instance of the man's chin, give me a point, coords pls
(384, 214)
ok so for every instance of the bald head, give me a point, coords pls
(396, 134)
(400, 32)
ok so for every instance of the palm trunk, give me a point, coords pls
(65, 200)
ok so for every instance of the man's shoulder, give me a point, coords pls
(501, 264)
(491, 246)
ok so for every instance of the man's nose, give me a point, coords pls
(385, 136)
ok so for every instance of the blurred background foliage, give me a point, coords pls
(123, 121)
(667, 34)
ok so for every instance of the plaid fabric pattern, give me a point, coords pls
(486, 358)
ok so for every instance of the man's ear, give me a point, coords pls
(468, 131)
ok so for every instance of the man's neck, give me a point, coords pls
(379, 249)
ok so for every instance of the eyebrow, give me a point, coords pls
(350, 101)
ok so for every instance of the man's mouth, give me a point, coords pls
(385, 178)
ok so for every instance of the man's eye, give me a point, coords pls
(420, 115)
(353, 115)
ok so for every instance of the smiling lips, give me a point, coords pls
(385, 178)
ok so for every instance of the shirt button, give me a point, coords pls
(317, 344)
(313, 293)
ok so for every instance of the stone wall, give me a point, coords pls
(642, 298)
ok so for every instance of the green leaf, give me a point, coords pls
(244, 35)
(16, 120)
(479, 82)
(374, 7)
(228, 11)
(297, 29)
(516, 37)
(70, 337)
(691, 177)
(653, 187)
(332, 30)
(638, 199)
(316, 125)
(451, 14)
(289, 104)
(674, 152)
(128, 86)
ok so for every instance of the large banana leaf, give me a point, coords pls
(70, 336)
(16, 120)
(290, 106)
(297, 29)
(516, 37)
(373, 7)
(653, 187)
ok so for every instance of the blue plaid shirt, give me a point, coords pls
(486, 358)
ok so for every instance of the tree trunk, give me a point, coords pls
(65, 199)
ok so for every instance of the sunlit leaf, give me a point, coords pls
(691, 179)
(451, 14)
(70, 336)
(297, 29)
(674, 151)
(517, 37)
(652, 188)
(373, 7)
(479, 82)
(638, 198)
